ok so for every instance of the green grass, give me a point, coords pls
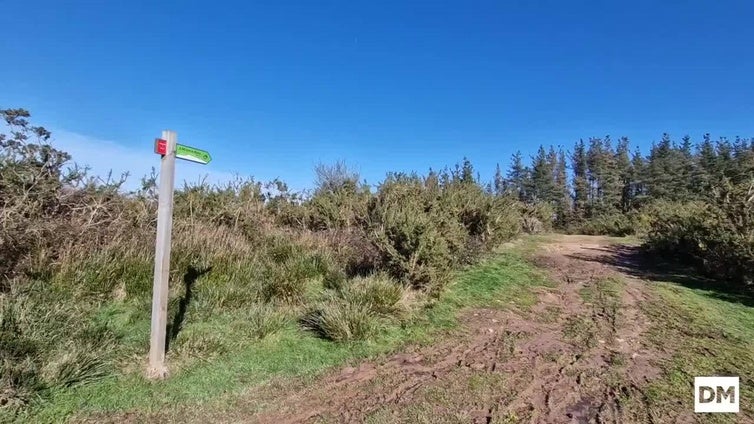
(241, 360)
(501, 281)
(707, 336)
(221, 356)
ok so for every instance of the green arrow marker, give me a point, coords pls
(192, 154)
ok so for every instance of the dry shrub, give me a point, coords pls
(354, 251)
(537, 217)
(74, 249)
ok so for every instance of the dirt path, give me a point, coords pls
(577, 356)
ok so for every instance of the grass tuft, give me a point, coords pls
(379, 293)
(263, 320)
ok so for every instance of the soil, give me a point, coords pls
(572, 358)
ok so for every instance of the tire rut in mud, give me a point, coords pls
(577, 356)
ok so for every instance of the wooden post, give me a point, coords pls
(157, 368)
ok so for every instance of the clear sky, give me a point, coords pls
(272, 88)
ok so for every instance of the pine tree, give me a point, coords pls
(467, 172)
(499, 186)
(609, 180)
(743, 156)
(612, 186)
(660, 169)
(603, 177)
(552, 165)
(595, 163)
(580, 180)
(519, 178)
(623, 164)
(725, 163)
(543, 183)
(705, 176)
(638, 175)
(563, 198)
(684, 168)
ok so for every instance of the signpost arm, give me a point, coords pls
(157, 368)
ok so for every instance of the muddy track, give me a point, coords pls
(577, 356)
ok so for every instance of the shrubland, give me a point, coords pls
(344, 262)
(693, 202)
(715, 236)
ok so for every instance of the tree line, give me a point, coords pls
(690, 200)
(601, 178)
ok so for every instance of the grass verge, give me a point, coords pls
(247, 362)
(703, 335)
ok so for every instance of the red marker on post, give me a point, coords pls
(160, 146)
(170, 150)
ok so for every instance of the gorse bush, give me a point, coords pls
(423, 228)
(414, 245)
(347, 260)
(718, 237)
(610, 223)
(339, 200)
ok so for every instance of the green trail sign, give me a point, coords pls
(166, 146)
(192, 154)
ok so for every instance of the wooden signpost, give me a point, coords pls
(169, 149)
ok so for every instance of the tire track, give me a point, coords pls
(552, 372)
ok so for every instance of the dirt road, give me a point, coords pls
(577, 356)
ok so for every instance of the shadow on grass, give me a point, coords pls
(189, 279)
(635, 261)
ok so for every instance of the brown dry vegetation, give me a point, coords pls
(609, 343)
(329, 276)
(342, 262)
(576, 356)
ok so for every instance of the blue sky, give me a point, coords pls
(273, 88)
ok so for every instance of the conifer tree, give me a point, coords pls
(580, 180)
(499, 186)
(467, 172)
(625, 174)
(743, 155)
(519, 178)
(543, 183)
(660, 169)
(705, 176)
(563, 197)
(603, 177)
(608, 181)
(683, 187)
(725, 164)
(638, 174)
